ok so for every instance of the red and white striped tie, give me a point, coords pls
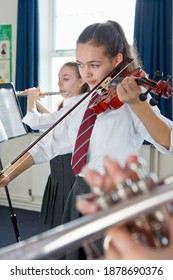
(60, 105)
(83, 138)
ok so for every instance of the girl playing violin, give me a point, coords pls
(116, 133)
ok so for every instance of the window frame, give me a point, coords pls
(59, 55)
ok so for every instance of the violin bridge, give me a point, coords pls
(105, 83)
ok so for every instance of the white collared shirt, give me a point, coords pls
(117, 133)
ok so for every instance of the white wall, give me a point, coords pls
(26, 191)
(45, 44)
(35, 178)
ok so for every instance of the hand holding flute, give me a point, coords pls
(33, 96)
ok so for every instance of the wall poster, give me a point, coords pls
(5, 53)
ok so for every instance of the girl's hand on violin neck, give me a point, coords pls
(128, 91)
(4, 180)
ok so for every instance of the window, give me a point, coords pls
(71, 17)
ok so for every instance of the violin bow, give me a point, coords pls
(103, 83)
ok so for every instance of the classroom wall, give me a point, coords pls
(27, 190)
(8, 15)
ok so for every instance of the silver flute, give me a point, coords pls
(26, 93)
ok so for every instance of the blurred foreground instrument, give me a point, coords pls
(144, 205)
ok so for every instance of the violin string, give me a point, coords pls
(93, 92)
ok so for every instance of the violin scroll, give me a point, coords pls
(143, 81)
(161, 88)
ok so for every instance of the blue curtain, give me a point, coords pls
(153, 36)
(27, 57)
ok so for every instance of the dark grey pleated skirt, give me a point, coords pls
(71, 213)
(58, 187)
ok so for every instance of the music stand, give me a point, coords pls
(11, 126)
(3, 137)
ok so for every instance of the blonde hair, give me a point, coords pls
(74, 65)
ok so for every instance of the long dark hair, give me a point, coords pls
(111, 36)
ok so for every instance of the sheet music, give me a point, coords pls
(10, 114)
(3, 135)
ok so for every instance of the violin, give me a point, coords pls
(108, 99)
